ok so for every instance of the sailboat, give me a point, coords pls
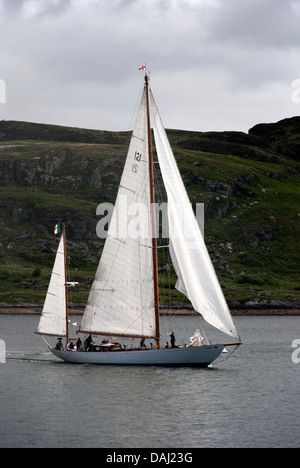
(124, 298)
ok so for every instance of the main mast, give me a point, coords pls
(152, 200)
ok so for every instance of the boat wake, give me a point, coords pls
(32, 356)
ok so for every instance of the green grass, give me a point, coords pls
(250, 190)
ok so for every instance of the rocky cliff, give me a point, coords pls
(249, 184)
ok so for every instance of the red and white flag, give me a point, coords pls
(143, 67)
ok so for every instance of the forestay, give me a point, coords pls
(196, 275)
(121, 301)
(53, 318)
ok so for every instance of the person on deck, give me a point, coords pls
(173, 339)
(87, 343)
(79, 344)
(142, 343)
(59, 345)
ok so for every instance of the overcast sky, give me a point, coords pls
(215, 64)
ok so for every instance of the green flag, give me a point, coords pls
(57, 229)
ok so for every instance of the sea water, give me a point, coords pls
(247, 399)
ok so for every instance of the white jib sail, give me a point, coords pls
(196, 275)
(53, 319)
(121, 301)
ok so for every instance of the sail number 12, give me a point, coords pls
(137, 158)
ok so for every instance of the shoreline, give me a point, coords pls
(247, 312)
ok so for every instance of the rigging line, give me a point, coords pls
(49, 346)
(136, 320)
(165, 256)
(136, 105)
(229, 354)
(201, 329)
(68, 260)
(159, 195)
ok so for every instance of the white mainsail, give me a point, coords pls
(53, 318)
(196, 275)
(121, 301)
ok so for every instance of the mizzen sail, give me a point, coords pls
(196, 275)
(53, 318)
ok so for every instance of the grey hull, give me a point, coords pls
(201, 356)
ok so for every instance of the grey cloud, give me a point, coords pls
(257, 23)
(75, 55)
(40, 9)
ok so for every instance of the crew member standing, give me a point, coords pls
(173, 339)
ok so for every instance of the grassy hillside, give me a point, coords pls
(248, 182)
